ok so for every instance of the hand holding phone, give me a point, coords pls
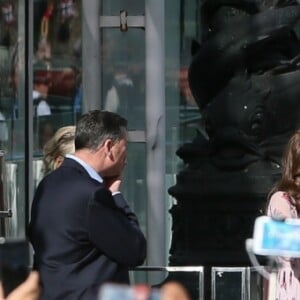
(276, 238)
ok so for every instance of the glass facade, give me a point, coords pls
(57, 90)
(56, 97)
(245, 79)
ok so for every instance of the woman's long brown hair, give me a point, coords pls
(290, 170)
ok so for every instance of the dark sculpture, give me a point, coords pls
(245, 77)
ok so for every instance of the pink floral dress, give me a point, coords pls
(282, 206)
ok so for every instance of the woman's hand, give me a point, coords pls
(28, 290)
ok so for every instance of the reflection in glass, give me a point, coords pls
(12, 121)
(57, 94)
(123, 74)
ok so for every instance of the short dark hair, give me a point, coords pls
(42, 77)
(96, 126)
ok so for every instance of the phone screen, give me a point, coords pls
(125, 292)
(14, 263)
(273, 237)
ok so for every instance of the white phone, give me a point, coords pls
(276, 238)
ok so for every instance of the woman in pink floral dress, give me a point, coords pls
(284, 202)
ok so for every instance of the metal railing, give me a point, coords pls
(212, 283)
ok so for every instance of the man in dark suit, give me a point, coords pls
(82, 230)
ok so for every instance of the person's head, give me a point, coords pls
(290, 177)
(42, 82)
(57, 147)
(173, 290)
(101, 139)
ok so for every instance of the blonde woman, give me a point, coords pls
(57, 147)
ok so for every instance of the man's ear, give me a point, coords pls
(107, 147)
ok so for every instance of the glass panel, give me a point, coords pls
(182, 113)
(172, 60)
(135, 7)
(12, 124)
(57, 90)
(134, 186)
(228, 285)
(123, 74)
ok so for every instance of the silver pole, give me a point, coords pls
(91, 55)
(155, 131)
(29, 88)
(20, 209)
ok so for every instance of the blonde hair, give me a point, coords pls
(58, 146)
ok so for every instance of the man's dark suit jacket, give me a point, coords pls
(82, 235)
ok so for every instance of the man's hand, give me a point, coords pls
(113, 183)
